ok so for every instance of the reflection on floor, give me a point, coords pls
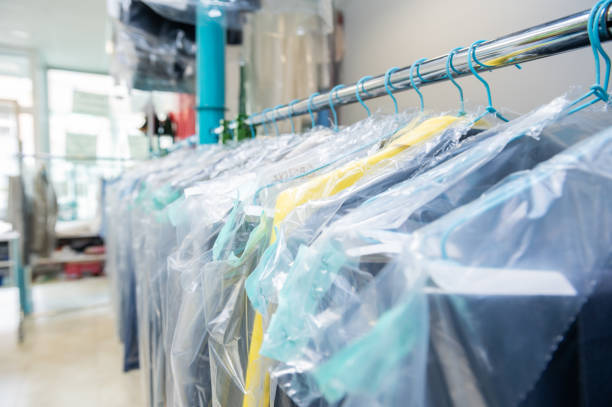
(71, 355)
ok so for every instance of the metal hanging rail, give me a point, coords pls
(552, 38)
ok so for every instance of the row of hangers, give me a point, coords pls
(598, 91)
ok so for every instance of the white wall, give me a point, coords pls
(385, 33)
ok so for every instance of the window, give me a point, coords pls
(84, 145)
(16, 117)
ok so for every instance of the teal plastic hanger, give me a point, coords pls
(598, 90)
(265, 117)
(490, 109)
(332, 93)
(251, 117)
(275, 108)
(416, 88)
(293, 102)
(312, 119)
(449, 66)
(359, 89)
(389, 86)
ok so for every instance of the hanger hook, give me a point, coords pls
(472, 56)
(265, 120)
(250, 119)
(594, 33)
(389, 86)
(332, 93)
(418, 67)
(597, 90)
(293, 102)
(359, 88)
(449, 66)
(416, 88)
(312, 119)
(275, 109)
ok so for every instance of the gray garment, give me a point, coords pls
(44, 214)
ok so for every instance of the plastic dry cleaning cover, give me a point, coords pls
(481, 292)
(236, 252)
(199, 217)
(316, 267)
(305, 222)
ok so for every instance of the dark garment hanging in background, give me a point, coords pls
(128, 321)
(44, 214)
(580, 372)
(130, 335)
(153, 73)
(520, 154)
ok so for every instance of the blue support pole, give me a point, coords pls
(210, 38)
(21, 277)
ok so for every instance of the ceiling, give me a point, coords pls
(68, 34)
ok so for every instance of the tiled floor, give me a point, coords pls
(71, 355)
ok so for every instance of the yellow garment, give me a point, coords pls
(331, 183)
(324, 186)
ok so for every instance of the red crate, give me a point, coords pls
(76, 270)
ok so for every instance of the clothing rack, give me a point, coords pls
(49, 157)
(548, 39)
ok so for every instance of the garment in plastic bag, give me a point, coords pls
(297, 157)
(208, 203)
(338, 184)
(401, 203)
(305, 222)
(198, 219)
(481, 292)
(150, 242)
(147, 191)
(119, 266)
(229, 317)
(157, 313)
(325, 185)
(121, 196)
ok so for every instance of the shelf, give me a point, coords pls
(59, 260)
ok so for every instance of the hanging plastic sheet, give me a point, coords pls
(344, 176)
(142, 199)
(305, 222)
(158, 239)
(120, 263)
(298, 220)
(207, 202)
(198, 219)
(295, 34)
(137, 259)
(471, 296)
(185, 10)
(395, 209)
(235, 254)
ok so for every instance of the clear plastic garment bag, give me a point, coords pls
(332, 265)
(235, 253)
(455, 319)
(199, 218)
